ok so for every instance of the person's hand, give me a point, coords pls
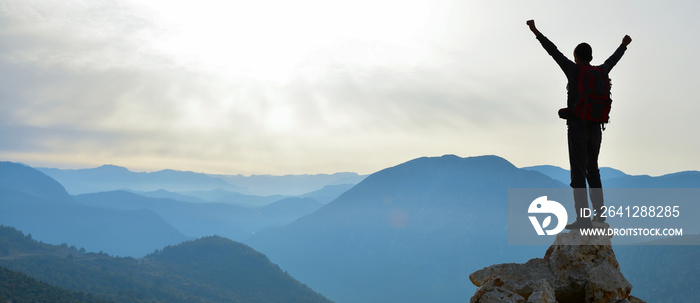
(531, 24)
(626, 40)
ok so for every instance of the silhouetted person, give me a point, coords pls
(584, 136)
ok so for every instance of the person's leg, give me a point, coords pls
(593, 140)
(577, 164)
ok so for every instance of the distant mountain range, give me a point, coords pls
(613, 178)
(290, 185)
(409, 233)
(35, 203)
(203, 219)
(111, 177)
(129, 224)
(210, 269)
(563, 175)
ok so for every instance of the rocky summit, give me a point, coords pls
(575, 269)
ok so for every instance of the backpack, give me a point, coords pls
(594, 94)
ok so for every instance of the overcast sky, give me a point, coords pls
(319, 86)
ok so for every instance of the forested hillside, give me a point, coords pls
(19, 288)
(211, 269)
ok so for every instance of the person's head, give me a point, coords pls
(583, 53)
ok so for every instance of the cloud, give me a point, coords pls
(94, 85)
(115, 81)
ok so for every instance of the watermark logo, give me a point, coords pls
(543, 206)
(631, 216)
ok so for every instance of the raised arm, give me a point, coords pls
(617, 55)
(564, 63)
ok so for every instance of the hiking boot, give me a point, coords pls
(580, 223)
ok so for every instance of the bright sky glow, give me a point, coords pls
(314, 86)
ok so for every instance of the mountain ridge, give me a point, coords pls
(111, 177)
(614, 178)
(30, 181)
(206, 218)
(433, 219)
(209, 269)
(142, 223)
(411, 230)
(59, 219)
(408, 220)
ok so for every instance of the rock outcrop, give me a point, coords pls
(575, 269)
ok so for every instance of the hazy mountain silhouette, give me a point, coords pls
(410, 233)
(287, 210)
(128, 224)
(613, 178)
(562, 175)
(211, 269)
(37, 204)
(290, 185)
(164, 194)
(111, 177)
(192, 219)
(324, 195)
(31, 182)
(407, 233)
(687, 179)
(204, 219)
(229, 197)
(328, 193)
